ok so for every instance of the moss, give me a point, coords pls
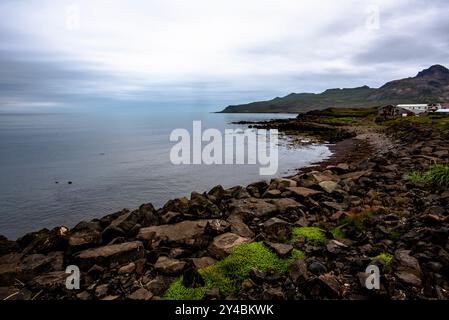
(313, 235)
(177, 291)
(386, 257)
(337, 233)
(228, 273)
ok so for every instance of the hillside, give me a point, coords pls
(429, 85)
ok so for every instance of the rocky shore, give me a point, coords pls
(309, 236)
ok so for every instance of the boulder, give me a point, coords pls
(186, 233)
(158, 285)
(297, 271)
(272, 193)
(168, 266)
(83, 239)
(281, 249)
(7, 246)
(201, 206)
(124, 224)
(223, 244)
(141, 294)
(177, 205)
(239, 227)
(328, 186)
(408, 269)
(277, 229)
(252, 207)
(44, 241)
(111, 254)
(203, 262)
(303, 192)
(24, 268)
(285, 205)
(49, 281)
(128, 268)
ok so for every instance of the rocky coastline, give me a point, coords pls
(320, 228)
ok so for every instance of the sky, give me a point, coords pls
(109, 54)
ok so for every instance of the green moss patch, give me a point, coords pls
(386, 257)
(228, 273)
(337, 233)
(313, 235)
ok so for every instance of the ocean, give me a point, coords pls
(61, 168)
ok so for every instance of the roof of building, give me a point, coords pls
(412, 105)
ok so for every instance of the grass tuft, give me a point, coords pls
(436, 176)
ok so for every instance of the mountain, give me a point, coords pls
(429, 85)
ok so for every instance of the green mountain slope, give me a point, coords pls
(430, 85)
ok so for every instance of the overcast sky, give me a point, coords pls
(72, 54)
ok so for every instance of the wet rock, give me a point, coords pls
(49, 281)
(83, 239)
(24, 268)
(44, 241)
(116, 253)
(304, 192)
(7, 246)
(171, 217)
(408, 269)
(239, 227)
(222, 244)
(409, 278)
(111, 233)
(201, 206)
(216, 194)
(168, 266)
(177, 205)
(281, 249)
(141, 294)
(317, 268)
(287, 205)
(203, 262)
(215, 227)
(297, 271)
(330, 285)
(252, 207)
(276, 228)
(186, 233)
(101, 290)
(328, 186)
(334, 246)
(273, 193)
(129, 268)
(158, 285)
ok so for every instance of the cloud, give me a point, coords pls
(215, 51)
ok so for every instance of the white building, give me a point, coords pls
(420, 108)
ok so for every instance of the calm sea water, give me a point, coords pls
(114, 161)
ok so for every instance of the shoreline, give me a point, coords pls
(147, 249)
